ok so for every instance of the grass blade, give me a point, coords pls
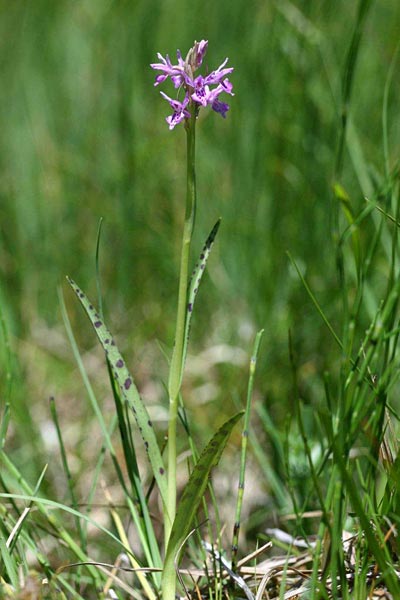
(4, 424)
(245, 437)
(67, 471)
(9, 564)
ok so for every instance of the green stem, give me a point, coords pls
(176, 368)
(245, 436)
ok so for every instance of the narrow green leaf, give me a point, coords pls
(145, 532)
(345, 203)
(192, 496)
(67, 471)
(18, 528)
(44, 503)
(97, 265)
(128, 390)
(245, 437)
(4, 424)
(195, 283)
(315, 302)
(9, 563)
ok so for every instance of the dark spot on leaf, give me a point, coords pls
(119, 363)
(162, 471)
(127, 383)
(149, 423)
(245, 433)
(98, 324)
(190, 307)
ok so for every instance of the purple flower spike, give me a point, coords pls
(198, 92)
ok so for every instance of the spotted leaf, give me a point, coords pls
(195, 283)
(128, 390)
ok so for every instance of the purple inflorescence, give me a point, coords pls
(198, 90)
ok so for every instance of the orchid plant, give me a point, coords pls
(197, 94)
(198, 91)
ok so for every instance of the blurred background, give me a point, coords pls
(84, 137)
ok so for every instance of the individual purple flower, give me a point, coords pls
(217, 75)
(199, 91)
(180, 110)
(168, 70)
(205, 96)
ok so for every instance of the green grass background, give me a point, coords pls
(83, 136)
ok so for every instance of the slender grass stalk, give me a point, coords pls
(8, 356)
(347, 86)
(9, 564)
(124, 539)
(5, 420)
(67, 471)
(97, 266)
(176, 368)
(245, 437)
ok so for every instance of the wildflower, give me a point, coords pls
(180, 110)
(198, 90)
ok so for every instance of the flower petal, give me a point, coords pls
(220, 107)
